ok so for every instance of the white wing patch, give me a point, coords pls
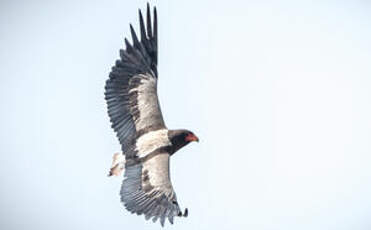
(151, 141)
(148, 104)
(158, 172)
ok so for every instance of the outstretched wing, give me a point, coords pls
(131, 90)
(147, 189)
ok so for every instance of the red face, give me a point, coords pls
(191, 137)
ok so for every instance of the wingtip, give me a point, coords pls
(162, 221)
(155, 20)
(134, 36)
(140, 15)
(127, 43)
(171, 219)
(149, 23)
(143, 35)
(185, 212)
(132, 31)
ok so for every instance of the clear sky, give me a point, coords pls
(279, 93)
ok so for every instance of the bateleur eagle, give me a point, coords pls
(146, 143)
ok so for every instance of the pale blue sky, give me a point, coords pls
(279, 93)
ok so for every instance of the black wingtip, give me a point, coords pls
(149, 23)
(132, 31)
(127, 43)
(155, 24)
(171, 219)
(143, 35)
(134, 36)
(162, 221)
(148, 8)
(185, 212)
(140, 13)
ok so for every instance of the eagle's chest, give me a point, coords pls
(152, 141)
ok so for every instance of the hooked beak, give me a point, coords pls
(192, 137)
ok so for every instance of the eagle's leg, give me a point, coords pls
(118, 164)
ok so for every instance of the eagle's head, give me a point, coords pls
(180, 138)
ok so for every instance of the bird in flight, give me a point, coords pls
(146, 143)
